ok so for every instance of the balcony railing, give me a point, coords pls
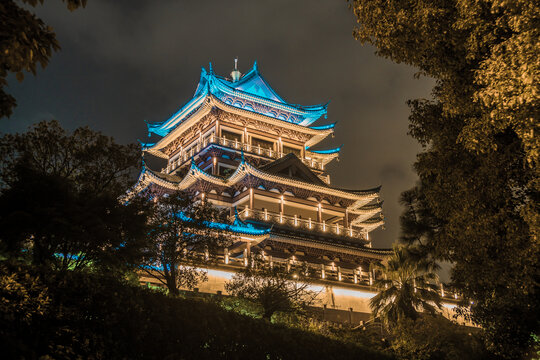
(301, 223)
(328, 271)
(235, 144)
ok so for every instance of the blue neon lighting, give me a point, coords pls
(328, 151)
(145, 145)
(251, 87)
(324, 127)
(238, 226)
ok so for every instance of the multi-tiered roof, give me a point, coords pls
(238, 144)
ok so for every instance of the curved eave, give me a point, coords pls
(333, 246)
(164, 128)
(318, 188)
(367, 211)
(370, 224)
(326, 151)
(247, 77)
(325, 156)
(374, 190)
(241, 230)
(324, 127)
(210, 83)
(156, 152)
(145, 146)
(269, 119)
(243, 170)
(309, 114)
(363, 215)
(210, 101)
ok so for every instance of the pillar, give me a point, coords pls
(319, 213)
(346, 219)
(251, 198)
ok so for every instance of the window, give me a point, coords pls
(291, 150)
(262, 143)
(229, 135)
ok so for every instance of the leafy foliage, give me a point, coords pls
(180, 240)
(476, 204)
(405, 288)
(98, 316)
(271, 287)
(434, 337)
(59, 203)
(25, 42)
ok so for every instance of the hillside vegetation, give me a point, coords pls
(83, 315)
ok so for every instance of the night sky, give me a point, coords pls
(123, 62)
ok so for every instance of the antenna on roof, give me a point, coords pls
(235, 74)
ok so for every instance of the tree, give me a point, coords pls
(479, 185)
(272, 288)
(435, 337)
(59, 199)
(405, 288)
(25, 42)
(183, 237)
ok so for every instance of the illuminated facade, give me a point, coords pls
(239, 145)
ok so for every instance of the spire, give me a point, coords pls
(210, 69)
(235, 74)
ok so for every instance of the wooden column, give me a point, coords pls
(346, 219)
(251, 198)
(319, 213)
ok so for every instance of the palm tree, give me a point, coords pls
(406, 287)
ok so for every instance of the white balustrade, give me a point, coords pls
(235, 144)
(297, 221)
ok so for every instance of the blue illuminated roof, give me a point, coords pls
(253, 83)
(324, 127)
(328, 151)
(144, 145)
(248, 93)
(238, 226)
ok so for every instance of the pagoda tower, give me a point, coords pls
(241, 146)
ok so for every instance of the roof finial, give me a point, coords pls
(235, 74)
(210, 69)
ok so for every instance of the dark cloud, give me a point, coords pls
(126, 61)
